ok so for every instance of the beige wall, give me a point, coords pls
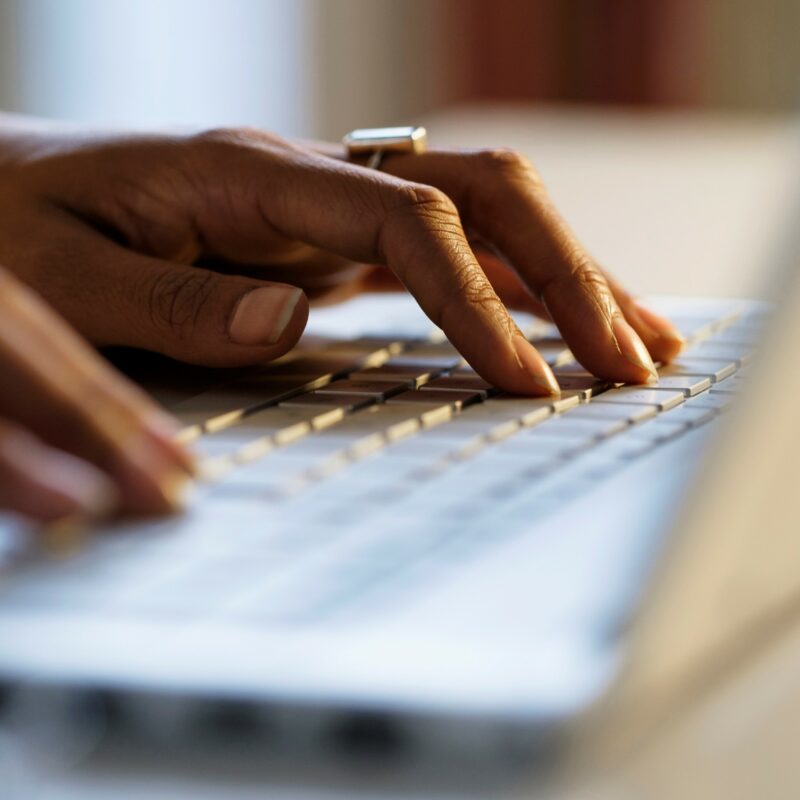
(377, 62)
(381, 61)
(755, 53)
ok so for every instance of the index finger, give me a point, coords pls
(504, 199)
(371, 217)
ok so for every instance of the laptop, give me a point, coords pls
(383, 548)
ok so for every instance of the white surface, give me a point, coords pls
(675, 193)
(672, 203)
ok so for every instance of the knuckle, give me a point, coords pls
(176, 299)
(509, 163)
(222, 136)
(585, 272)
(234, 138)
(425, 201)
(417, 216)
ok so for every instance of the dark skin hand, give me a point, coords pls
(122, 221)
(208, 248)
(76, 439)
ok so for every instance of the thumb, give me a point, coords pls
(193, 314)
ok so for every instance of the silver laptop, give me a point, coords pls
(385, 548)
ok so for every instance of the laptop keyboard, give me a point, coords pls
(351, 472)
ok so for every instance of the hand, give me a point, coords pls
(127, 228)
(75, 437)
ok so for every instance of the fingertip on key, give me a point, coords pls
(669, 340)
(633, 349)
(536, 369)
(155, 482)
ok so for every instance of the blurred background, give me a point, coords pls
(321, 67)
(645, 117)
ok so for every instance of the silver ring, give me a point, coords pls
(375, 143)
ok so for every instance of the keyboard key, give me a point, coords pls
(571, 368)
(631, 414)
(691, 416)
(585, 385)
(659, 430)
(553, 351)
(662, 399)
(458, 399)
(428, 418)
(263, 422)
(524, 411)
(733, 385)
(349, 402)
(550, 447)
(410, 374)
(372, 419)
(721, 351)
(317, 366)
(694, 328)
(224, 406)
(595, 428)
(432, 356)
(424, 351)
(377, 389)
(468, 425)
(465, 370)
(716, 370)
(623, 447)
(561, 404)
(719, 401)
(572, 439)
(419, 448)
(459, 383)
(689, 384)
(740, 336)
(280, 425)
(505, 463)
(366, 351)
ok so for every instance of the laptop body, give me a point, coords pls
(509, 621)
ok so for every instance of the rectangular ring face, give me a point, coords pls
(410, 139)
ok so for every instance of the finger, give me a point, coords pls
(59, 389)
(369, 217)
(661, 337)
(313, 270)
(511, 290)
(115, 296)
(503, 199)
(188, 313)
(46, 484)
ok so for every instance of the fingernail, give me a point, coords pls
(95, 499)
(659, 325)
(261, 316)
(101, 499)
(535, 366)
(167, 431)
(631, 346)
(94, 494)
(175, 487)
(170, 482)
